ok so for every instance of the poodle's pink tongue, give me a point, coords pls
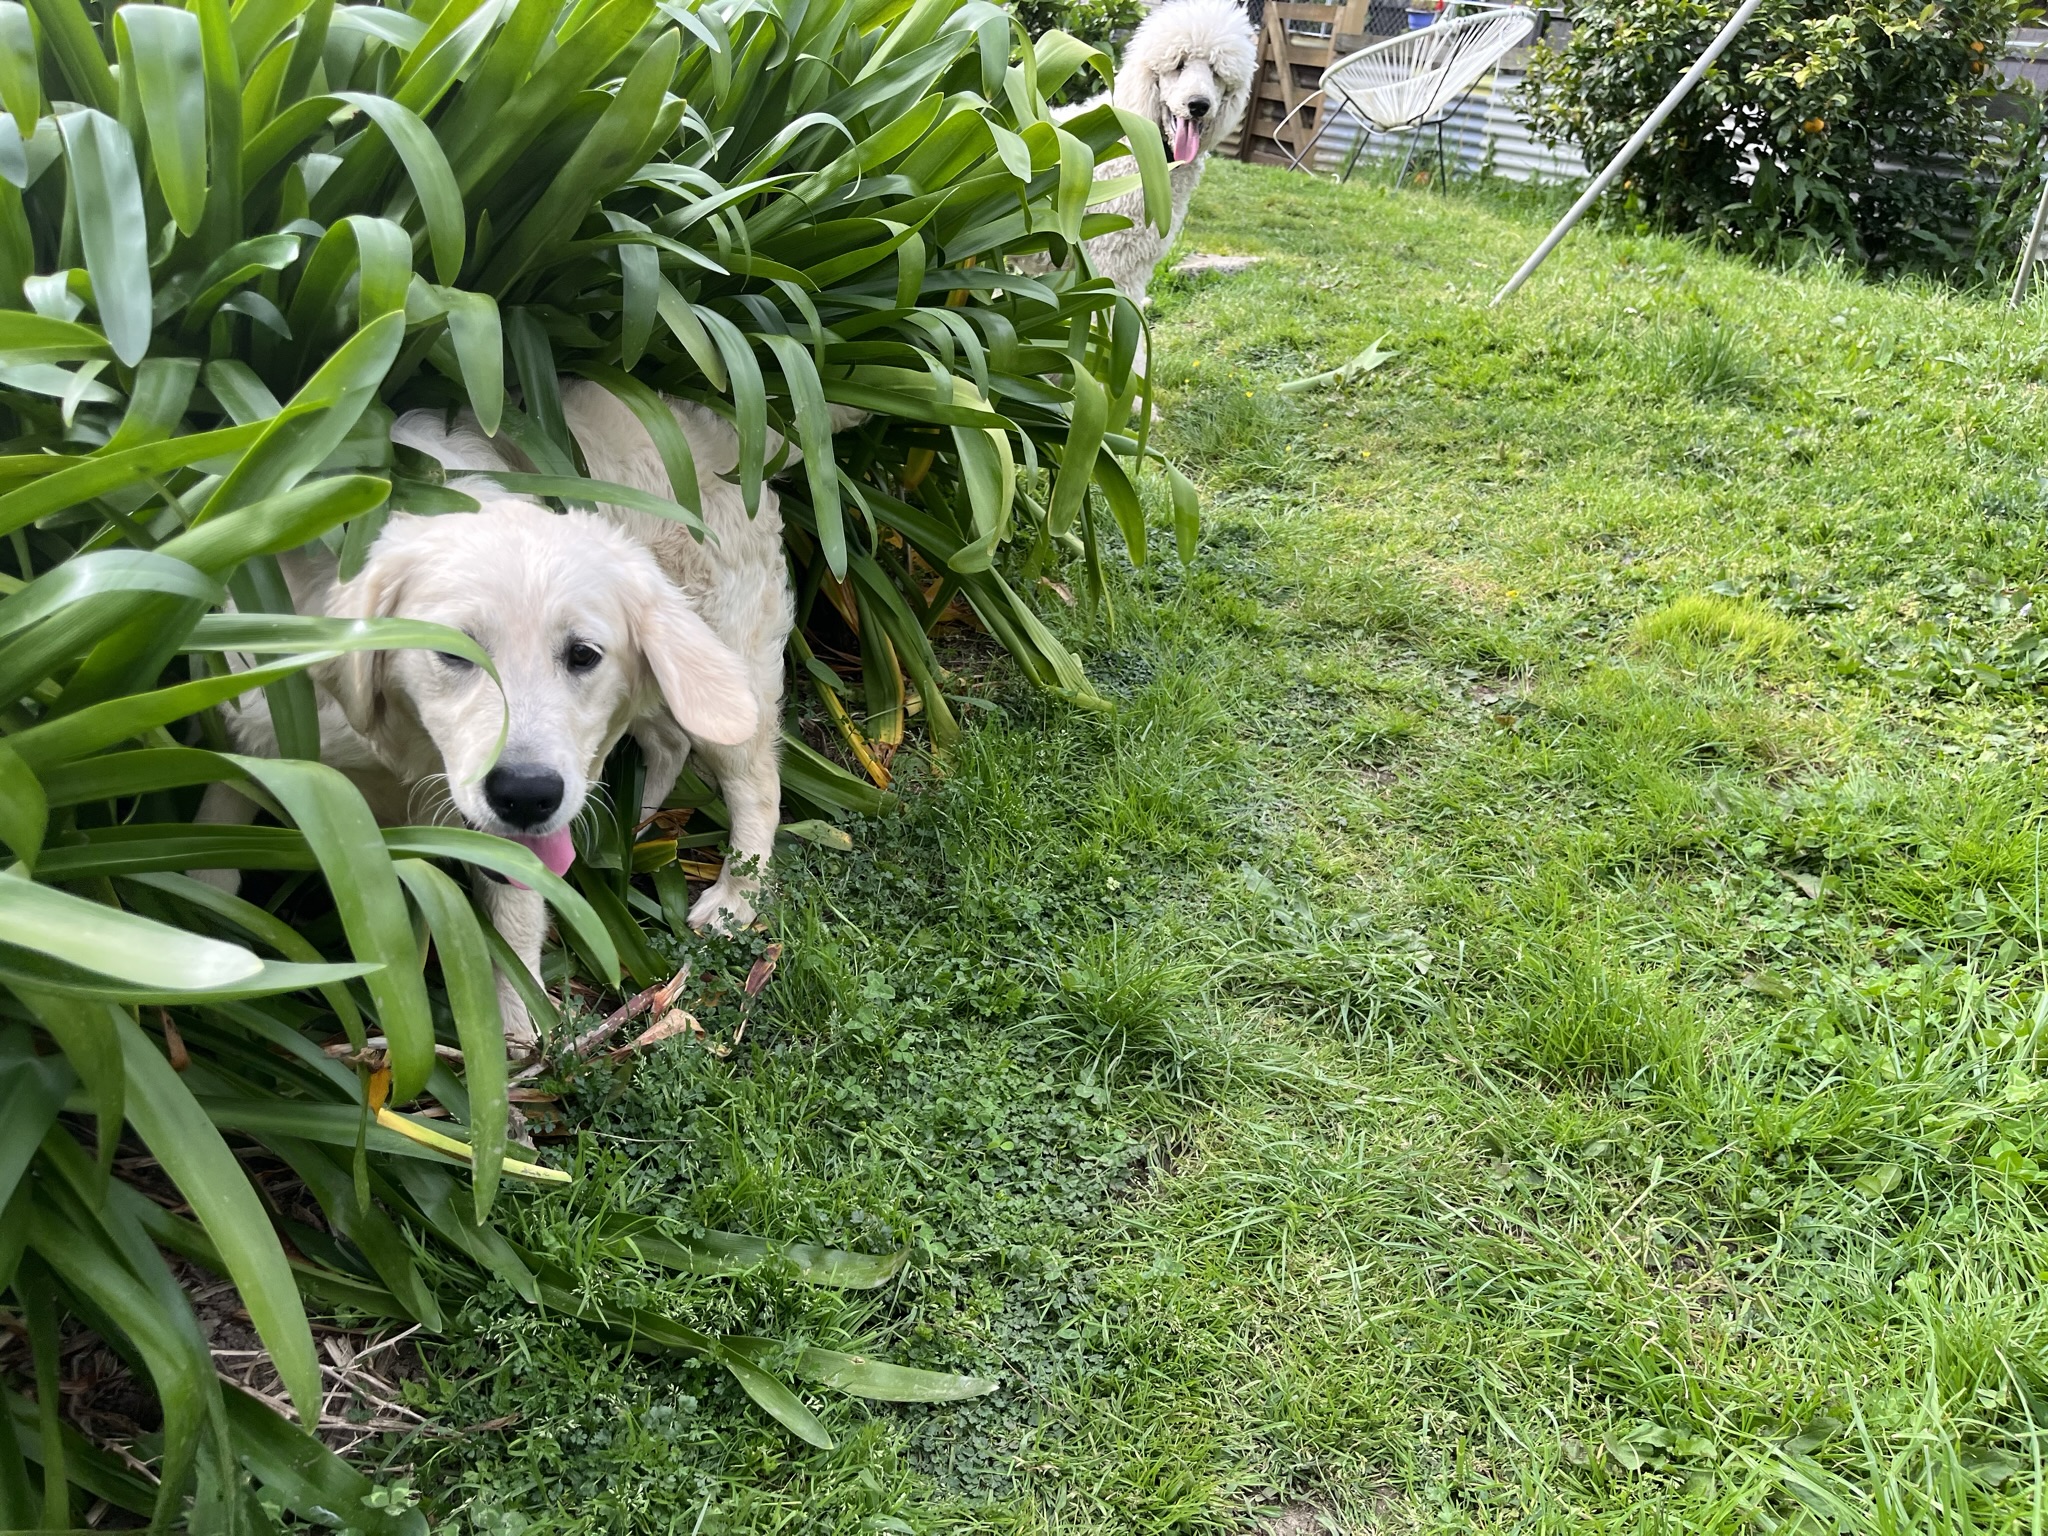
(557, 850)
(1186, 142)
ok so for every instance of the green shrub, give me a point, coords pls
(1865, 129)
(232, 244)
(1104, 23)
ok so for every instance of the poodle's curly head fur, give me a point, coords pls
(1190, 67)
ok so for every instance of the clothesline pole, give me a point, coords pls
(1629, 150)
(2033, 248)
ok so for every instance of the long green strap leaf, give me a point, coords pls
(179, 1135)
(161, 48)
(1187, 514)
(156, 405)
(21, 86)
(98, 1472)
(577, 488)
(654, 414)
(67, 30)
(17, 1500)
(1077, 456)
(478, 334)
(310, 1479)
(24, 808)
(608, 153)
(225, 211)
(261, 592)
(374, 256)
(39, 1312)
(84, 1032)
(858, 1376)
(433, 1190)
(26, 337)
(373, 1232)
(514, 862)
(814, 432)
(99, 726)
(274, 634)
(749, 401)
(277, 523)
(730, 1253)
(169, 1345)
(433, 182)
(261, 925)
(101, 473)
(106, 196)
(114, 943)
(1122, 497)
(294, 442)
(330, 812)
(473, 1000)
(32, 1090)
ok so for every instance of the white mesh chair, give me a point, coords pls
(1416, 80)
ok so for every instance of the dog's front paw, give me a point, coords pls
(727, 907)
(521, 1038)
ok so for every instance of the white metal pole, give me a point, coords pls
(1629, 150)
(2033, 248)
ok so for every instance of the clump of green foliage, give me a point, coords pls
(1872, 130)
(232, 244)
(1103, 23)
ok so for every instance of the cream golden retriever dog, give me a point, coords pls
(589, 639)
(735, 576)
(598, 624)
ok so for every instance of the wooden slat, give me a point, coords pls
(1298, 40)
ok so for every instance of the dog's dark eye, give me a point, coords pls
(581, 656)
(455, 663)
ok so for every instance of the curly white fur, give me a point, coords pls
(1190, 68)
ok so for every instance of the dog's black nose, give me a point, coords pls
(523, 796)
(1198, 108)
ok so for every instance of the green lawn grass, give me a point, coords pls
(1528, 1016)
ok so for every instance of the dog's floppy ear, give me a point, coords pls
(357, 679)
(702, 680)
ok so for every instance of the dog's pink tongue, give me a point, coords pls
(1186, 142)
(557, 850)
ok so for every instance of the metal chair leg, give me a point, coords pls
(1357, 148)
(1294, 162)
(1414, 138)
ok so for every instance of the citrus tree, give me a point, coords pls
(1880, 130)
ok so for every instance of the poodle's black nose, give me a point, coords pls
(523, 795)
(1198, 108)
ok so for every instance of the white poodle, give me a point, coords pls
(1190, 68)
